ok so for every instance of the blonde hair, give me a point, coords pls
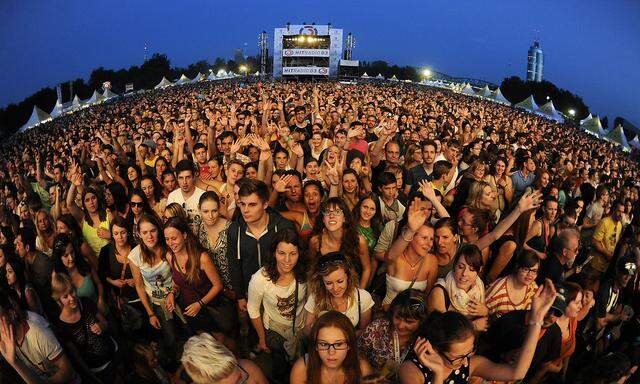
(52, 228)
(475, 194)
(176, 210)
(206, 360)
(322, 268)
(60, 285)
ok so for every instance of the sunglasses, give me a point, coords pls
(139, 204)
(335, 212)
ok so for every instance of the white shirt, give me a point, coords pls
(277, 301)
(157, 278)
(454, 179)
(190, 205)
(366, 303)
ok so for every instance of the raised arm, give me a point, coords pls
(415, 219)
(526, 202)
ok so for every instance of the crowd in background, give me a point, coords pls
(316, 233)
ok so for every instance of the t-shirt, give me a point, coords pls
(39, 273)
(608, 233)
(39, 349)
(416, 175)
(520, 183)
(507, 334)
(278, 301)
(382, 166)
(606, 299)
(157, 279)
(190, 205)
(366, 303)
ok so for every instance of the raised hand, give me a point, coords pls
(297, 149)
(428, 356)
(427, 190)
(280, 186)
(542, 301)
(530, 201)
(417, 215)
(332, 173)
(7, 341)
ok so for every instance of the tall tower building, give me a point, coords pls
(535, 62)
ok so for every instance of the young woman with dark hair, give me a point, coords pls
(462, 290)
(212, 234)
(386, 341)
(66, 223)
(194, 275)
(445, 350)
(515, 291)
(334, 231)
(153, 192)
(276, 298)
(333, 354)
(14, 276)
(67, 259)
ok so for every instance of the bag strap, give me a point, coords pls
(295, 307)
(447, 300)
(359, 306)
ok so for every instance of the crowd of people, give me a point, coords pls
(249, 232)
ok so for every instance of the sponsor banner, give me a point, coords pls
(350, 63)
(300, 52)
(320, 71)
(307, 30)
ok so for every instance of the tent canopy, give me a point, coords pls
(38, 116)
(197, 78)
(365, 76)
(635, 142)
(95, 98)
(499, 98)
(379, 76)
(467, 90)
(57, 109)
(549, 111)
(529, 104)
(485, 92)
(163, 83)
(617, 136)
(108, 94)
(183, 80)
(593, 126)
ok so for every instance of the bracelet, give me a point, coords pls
(402, 234)
(535, 323)
(201, 303)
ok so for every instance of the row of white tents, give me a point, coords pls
(593, 126)
(38, 116)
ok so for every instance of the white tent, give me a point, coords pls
(529, 104)
(593, 126)
(95, 98)
(183, 80)
(198, 77)
(617, 136)
(586, 118)
(222, 74)
(365, 76)
(163, 83)
(257, 73)
(38, 116)
(76, 103)
(549, 111)
(232, 74)
(109, 94)
(635, 142)
(484, 92)
(211, 76)
(380, 76)
(57, 109)
(393, 78)
(467, 90)
(499, 98)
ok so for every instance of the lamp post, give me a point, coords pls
(243, 69)
(427, 73)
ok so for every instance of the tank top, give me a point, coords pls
(306, 228)
(540, 242)
(190, 292)
(90, 235)
(88, 289)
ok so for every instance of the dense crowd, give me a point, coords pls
(316, 233)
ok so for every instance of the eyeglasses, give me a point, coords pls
(335, 212)
(138, 204)
(528, 270)
(338, 346)
(457, 360)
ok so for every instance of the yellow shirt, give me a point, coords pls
(608, 233)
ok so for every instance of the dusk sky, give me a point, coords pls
(589, 45)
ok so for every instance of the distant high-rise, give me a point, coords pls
(535, 62)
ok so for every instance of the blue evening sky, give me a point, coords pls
(589, 45)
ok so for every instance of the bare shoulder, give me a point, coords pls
(255, 373)
(410, 374)
(299, 371)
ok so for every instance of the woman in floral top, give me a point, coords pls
(212, 234)
(385, 342)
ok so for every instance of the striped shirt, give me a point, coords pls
(499, 302)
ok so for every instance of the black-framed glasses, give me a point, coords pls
(528, 270)
(332, 212)
(337, 346)
(138, 204)
(459, 359)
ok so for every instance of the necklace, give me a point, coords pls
(412, 266)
